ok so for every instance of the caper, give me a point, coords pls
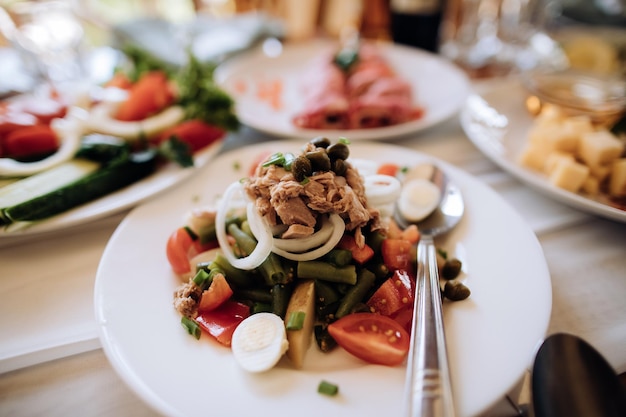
(301, 168)
(321, 142)
(339, 167)
(451, 269)
(338, 151)
(319, 160)
(456, 291)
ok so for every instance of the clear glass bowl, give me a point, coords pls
(603, 99)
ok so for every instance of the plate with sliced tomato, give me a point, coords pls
(72, 156)
(491, 335)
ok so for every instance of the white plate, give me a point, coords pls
(492, 336)
(165, 177)
(438, 86)
(498, 124)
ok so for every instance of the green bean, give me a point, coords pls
(327, 272)
(261, 308)
(271, 269)
(339, 257)
(356, 294)
(261, 295)
(280, 299)
(375, 240)
(379, 269)
(234, 276)
(324, 340)
(325, 293)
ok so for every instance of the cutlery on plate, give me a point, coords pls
(428, 391)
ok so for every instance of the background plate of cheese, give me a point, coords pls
(497, 122)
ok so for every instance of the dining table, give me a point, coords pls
(52, 362)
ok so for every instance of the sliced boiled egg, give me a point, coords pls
(259, 342)
(418, 199)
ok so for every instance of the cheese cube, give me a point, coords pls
(554, 137)
(533, 157)
(591, 185)
(578, 124)
(550, 113)
(569, 175)
(617, 183)
(599, 148)
(553, 159)
(601, 172)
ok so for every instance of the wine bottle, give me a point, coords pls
(416, 23)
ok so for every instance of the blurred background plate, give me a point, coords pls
(164, 178)
(497, 122)
(438, 86)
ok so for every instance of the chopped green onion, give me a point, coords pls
(202, 278)
(280, 159)
(276, 159)
(296, 320)
(442, 253)
(191, 326)
(327, 388)
(344, 140)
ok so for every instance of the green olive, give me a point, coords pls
(321, 142)
(456, 291)
(451, 269)
(339, 167)
(338, 151)
(301, 168)
(320, 162)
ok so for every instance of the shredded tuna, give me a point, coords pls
(186, 298)
(283, 200)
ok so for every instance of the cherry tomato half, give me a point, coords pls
(395, 294)
(194, 133)
(29, 141)
(149, 95)
(371, 337)
(397, 253)
(181, 247)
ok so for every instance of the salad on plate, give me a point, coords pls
(62, 149)
(306, 247)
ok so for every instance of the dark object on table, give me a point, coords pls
(572, 379)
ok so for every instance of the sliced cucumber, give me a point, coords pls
(45, 182)
(81, 189)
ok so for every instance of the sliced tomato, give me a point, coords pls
(397, 253)
(181, 246)
(149, 95)
(371, 337)
(30, 141)
(222, 322)
(195, 133)
(395, 294)
(218, 292)
(390, 169)
(411, 233)
(119, 80)
(11, 120)
(360, 255)
(404, 317)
